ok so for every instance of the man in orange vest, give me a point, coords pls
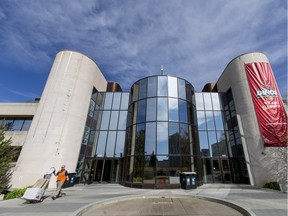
(61, 178)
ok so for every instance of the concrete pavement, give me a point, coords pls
(114, 199)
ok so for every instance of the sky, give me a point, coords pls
(131, 39)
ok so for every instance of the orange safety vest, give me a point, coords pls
(62, 175)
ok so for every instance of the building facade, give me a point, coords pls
(146, 137)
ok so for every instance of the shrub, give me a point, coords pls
(16, 193)
(272, 185)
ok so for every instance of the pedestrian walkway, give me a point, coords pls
(114, 199)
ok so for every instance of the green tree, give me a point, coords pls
(7, 156)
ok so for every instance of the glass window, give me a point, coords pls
(108, 101)
(172, 87)
(143, 89)
(124, 101)
(8, 124)
(162, 138)
(199, 101)
(213, 143)
(210, 120)
(162, 86)
(141, 114)
(91, 108)
(86, 135)
(135, 91)
(17, 125)
(100, 99)
(218, 120)
(173, 109)
(140, 139)
(122, 120)
(114, 120)
(116, 101)
(26, 125)
(151, 109)
(201, 120)
(222, 143)
(183, 111)
(111, 144)
(150, 138)
(119, 151)
(203, 140)
(182, 89)
(216, 101)
(207, 101)
(189, 91)
(152, 87)
(101, 143)
(174, 147)
(184, 139)
(105, 120)
(162, 112)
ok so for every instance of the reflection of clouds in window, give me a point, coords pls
(199, 101)
(218, 120)
(173, 109)
(162, 113)
(151, 109)
(201, 120)
(172, 86)
(162, 86)
(210, 120)
(207, 101)
(162, 138)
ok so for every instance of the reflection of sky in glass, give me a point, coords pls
(162, 113)
(207, 101)
(120, 143)
(210, 120)
(173, 109)
(162, 138)
(122, 120)
(124, 101)
(116, 101)
(203, 140)
(101, 143)
(218, 120)
(110, 144)
(150, 138)
(172, 87)
(162, 86)
(108, 101)
(215, 101)
(201, 120)
(199, 101)
(151, 109)
(151, 86)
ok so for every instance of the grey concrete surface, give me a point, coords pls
(114, 199)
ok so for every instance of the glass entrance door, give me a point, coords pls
(221, 171)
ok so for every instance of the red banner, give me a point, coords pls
(270, 111)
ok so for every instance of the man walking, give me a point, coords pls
(61, 178)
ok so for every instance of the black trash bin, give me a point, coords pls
(71, 180)
(188, 180)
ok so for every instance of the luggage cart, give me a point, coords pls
(36, 193)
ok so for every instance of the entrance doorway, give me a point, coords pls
(221, 171)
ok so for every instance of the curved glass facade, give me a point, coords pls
(160, 132)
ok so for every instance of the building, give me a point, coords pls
(146, 137)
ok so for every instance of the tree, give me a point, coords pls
(7, 156)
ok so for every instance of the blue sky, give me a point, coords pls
(131, 39)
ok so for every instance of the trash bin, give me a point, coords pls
(188, 180)
(71, 180)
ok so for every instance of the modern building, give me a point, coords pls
(145, 138)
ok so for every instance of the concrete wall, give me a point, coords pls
(234, 77)
(56, 131)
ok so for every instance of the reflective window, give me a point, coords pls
(218, 120)
(216, 101)
(174, 147)
(140, 139)
(201, 120)
(17, 125)
(141, 114)
(135, 91)
(162, 138)
(173, 109)
(162, 86)
(105, 120)
(114, 120)
(101, 143)
(151, 109)
(213, 143)
(122, 120)
(91, 108)
(222, 147)
(108, 101)
(207, 101)
(182, 89)
(172, 87)
(116, 101)
(150, 138)
(119, 151)
(210, 120)
(183, 111)
(203, 141)
(152, 87)
(86, 135)
(143, 89)
(111, 144)
(199, 101)
(184, 139)
(26, 125)
(162, 112)
(124, 101)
